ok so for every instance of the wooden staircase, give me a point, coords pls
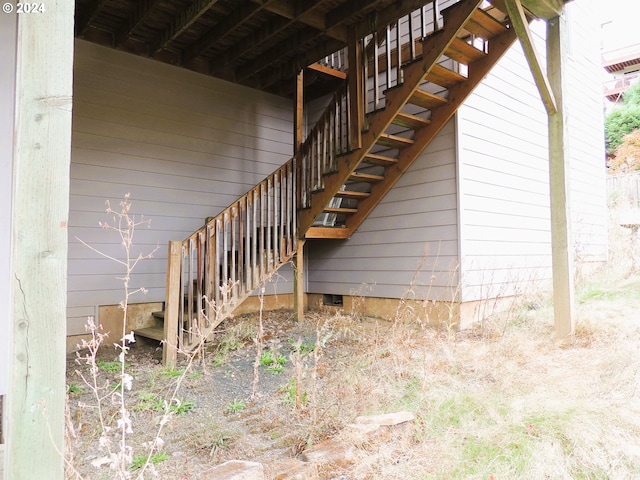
(403, 91)
(429, 87)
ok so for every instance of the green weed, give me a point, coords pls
(139, 461)
(236, 406)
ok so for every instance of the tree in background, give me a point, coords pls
(627, 155)
(623, 120)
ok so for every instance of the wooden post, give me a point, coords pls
(298, 283)
(173, 297)
(41, 161)
(298, 116)
(520, 24)
(563, 293)
(356, 91)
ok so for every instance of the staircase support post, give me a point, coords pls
(563, 289)
(298, 114)
(172, 305)
(356, 91)
(298, 283)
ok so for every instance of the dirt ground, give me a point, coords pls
(503, 400)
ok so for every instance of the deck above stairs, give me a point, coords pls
(402, 88)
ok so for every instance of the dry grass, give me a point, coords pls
(516, 405)
(502, 401)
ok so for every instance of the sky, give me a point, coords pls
(624, 26)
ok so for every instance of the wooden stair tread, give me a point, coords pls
(426, 100)
(375, 159)
(410, 121)
(155, 333)
(327, 232)
(158, 315)
(365, 177)
(340, 210)
(444, 77)
(394, 141)
(352, 194)
(484, 25)
(462, 52)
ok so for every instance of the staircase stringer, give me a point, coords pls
(396, 98)
(439, 117)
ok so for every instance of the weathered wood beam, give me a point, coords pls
(35, 407)
(311, 17)
(88, 15)
(328, 71)
(271, 57)
(270, 31)
(141, 13)
(298, 116)
(338, 15)
(559, 168)
(239, 17)
(520, 24)
(181, 23)
(546, 9)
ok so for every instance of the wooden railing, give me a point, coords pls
(235, 252)
(382, 61)
(222, 263)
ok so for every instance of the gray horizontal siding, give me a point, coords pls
(504, 172)
(414, 226)
(183, 145)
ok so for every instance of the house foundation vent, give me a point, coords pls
(332, 300)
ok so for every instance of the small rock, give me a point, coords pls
(235, 470)
(330, 451)
(294, 469)
(386, 418)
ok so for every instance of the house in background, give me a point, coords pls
(623, 68)
(472, 211)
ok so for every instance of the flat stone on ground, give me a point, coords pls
(235, 470)
(386, 418)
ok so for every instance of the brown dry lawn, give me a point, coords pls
(504, 400)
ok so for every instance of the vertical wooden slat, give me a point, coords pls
(376, 71)
(211, 280)
(255, 238)
(261, 251)
(219, 274)
(387, 47)
(399, 50)
(233, 250)
(412, 39)
(356, 86)
(241, 244)
(269, 212)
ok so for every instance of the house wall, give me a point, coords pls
(410, 238)
(505, 239)
(183, 145)
(7, 100)
(586, 143)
